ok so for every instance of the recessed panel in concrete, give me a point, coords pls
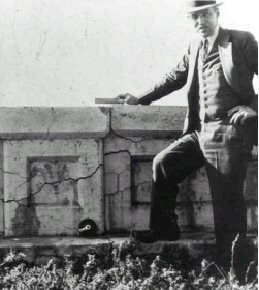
(141, 180)
(53, 177)
(50, 186)
(128, 178)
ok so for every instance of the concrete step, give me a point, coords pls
(40, 249)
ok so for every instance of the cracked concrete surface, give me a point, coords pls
(61, 189)
(41, 186)
(147, 121)
(51, 123)
(127, 201)
(54, 133)
(61, 165)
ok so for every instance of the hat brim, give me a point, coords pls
(194, 9)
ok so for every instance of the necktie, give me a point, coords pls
(204, 49)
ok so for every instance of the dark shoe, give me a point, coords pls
(168, 229)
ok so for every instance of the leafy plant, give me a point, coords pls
(123, 272)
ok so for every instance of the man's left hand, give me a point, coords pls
(240, 114)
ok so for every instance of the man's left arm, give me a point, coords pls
(240, 114)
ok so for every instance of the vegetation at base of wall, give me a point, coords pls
(122, 271)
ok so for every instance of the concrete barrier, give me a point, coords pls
(59, 166)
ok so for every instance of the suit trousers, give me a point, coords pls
(225, 151)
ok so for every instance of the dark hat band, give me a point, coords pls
(193, 4)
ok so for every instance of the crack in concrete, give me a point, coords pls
(128, 151)
(53, 114)
(132, 140)
(20, 185)
(46, 137)
(12, 173)
(118, 180)
(117, 173)
(19, 201)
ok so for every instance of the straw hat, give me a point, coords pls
(194, 5)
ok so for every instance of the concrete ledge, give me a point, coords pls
(40, 250)
(50, 123)
(99, 159)
(146, 121)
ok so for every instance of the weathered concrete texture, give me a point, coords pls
(50, 186)
(47, 123)
(119, 155)
(40, 250)
(53, 174)
(128, 175)
(146, 121)
(1, 190)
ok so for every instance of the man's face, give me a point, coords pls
(205, 21)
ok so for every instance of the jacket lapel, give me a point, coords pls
(192, 86)
(193, 63)
(226, 58)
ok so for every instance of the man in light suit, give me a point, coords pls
(218, 70)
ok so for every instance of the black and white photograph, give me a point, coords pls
(128, 144)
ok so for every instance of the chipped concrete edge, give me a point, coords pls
(29, 123)
(54, 123)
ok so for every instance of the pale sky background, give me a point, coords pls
(68, 52)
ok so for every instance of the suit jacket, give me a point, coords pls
(238, 55)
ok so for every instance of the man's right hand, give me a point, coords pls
(127, 99)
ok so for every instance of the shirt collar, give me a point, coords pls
(211, 39)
